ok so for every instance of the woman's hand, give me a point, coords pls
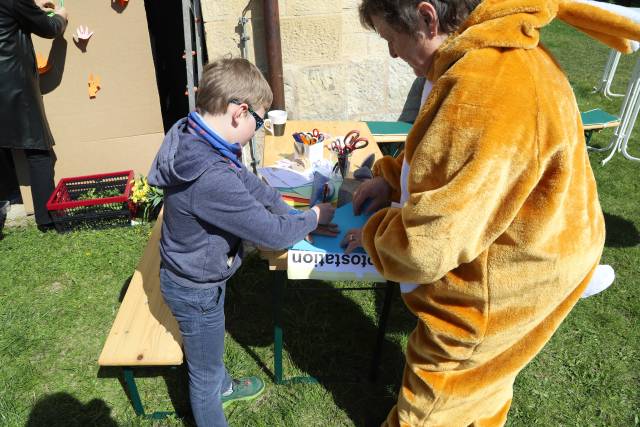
(45, 5)
(61, 11)
(376, 191)
(352, 240)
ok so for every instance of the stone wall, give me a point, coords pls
(333, 68)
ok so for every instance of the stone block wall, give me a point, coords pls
(334, 69)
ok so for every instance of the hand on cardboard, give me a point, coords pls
(377, 191)
(352, 240)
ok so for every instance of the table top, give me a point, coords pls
(279, 147)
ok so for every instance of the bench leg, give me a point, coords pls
(382, 329)
(278, 295)
(136, 402)
(130, 381)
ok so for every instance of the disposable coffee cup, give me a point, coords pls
(275, 122)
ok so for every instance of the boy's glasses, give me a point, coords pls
(259, 120)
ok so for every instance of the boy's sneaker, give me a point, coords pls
(246, 388)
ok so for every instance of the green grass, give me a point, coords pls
(59, 295)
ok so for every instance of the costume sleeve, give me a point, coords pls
(469, 175)
(36, 21)
(265, 194)
(390, 169)
(220, 198)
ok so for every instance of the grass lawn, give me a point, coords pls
(59, 295)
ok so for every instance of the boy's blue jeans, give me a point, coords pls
(200, 314)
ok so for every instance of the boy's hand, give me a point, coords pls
(329, 230)
(325, 212)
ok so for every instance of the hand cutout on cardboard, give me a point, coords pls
(119, 5)
(81, 37)
(94, 85)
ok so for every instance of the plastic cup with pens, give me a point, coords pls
(310, 146)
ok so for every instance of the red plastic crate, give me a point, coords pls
(69, 213)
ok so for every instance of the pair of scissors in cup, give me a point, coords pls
(352, 141)
(347, 145)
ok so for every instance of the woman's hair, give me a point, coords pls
(229, 79)
(403, 17)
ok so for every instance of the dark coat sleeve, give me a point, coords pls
(34, 20)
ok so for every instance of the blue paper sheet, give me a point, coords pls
(346, 221)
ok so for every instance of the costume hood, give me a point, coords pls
(516, 24)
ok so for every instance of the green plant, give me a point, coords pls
(92, 194)
(146, 196)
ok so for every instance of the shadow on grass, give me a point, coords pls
(326, 334)
(64, 410)
(621, 233)
(176, 380)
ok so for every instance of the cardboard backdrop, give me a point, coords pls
(121, 128)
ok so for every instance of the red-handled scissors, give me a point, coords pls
(353, 141)
(337, 147)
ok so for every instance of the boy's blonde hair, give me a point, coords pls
(229, 79)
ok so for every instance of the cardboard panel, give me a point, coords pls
(121, 128)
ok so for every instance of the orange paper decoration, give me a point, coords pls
(42, 64)
(94, 85)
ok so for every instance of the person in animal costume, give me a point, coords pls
(496, 227)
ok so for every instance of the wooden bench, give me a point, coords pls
(144, 332)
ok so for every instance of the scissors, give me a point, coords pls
(337, 147)
(353, 141)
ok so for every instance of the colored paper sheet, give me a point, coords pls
(346, 220)
(326, 260)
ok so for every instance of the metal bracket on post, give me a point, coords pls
(244, 38)
(188, 47)
(197, 18)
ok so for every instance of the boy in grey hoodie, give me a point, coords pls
(212, 203)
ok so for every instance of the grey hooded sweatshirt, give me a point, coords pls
(210, 206)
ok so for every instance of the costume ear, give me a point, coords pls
(616, 26)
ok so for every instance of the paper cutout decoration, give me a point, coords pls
(94, 85)
(123, 3)
(83, 33)
(81, 37)
(42, 63)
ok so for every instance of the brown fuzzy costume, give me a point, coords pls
(503, 227)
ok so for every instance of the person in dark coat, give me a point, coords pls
(23, 122)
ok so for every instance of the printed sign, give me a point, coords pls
(331, 266)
